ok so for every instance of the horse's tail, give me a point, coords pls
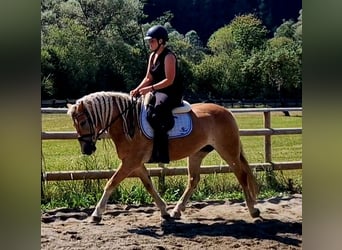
(253, 186)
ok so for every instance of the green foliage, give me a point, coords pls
(174, 188)
(193, 38)
(218, 186)
(285, 30)
(92, 45)
(279, 65)
(232, 47)
(221, 41)
(71, 53)
(298, 27)
(290, 29)
(246, 65)
(208, 76)
(248, 33)
(277, 181)
(134, 194)
(47, 88)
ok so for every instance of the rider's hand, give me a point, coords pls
(134, 92)
(145, 90)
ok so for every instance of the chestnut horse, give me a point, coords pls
(214, 127)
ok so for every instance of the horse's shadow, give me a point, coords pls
(268, 229)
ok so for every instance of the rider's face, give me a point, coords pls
(153, 43)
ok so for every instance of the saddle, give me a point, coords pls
(181, 115)
(182, 126)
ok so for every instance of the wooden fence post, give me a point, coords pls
(42, 180)
(268, 141)
(161, 179)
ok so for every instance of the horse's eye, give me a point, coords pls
(83, 123)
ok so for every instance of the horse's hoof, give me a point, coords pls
(176, 215)
(95, 219)
(257, 220)
(255, 213)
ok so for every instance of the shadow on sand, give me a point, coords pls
(268, 229)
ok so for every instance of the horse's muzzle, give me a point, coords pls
(88, 148)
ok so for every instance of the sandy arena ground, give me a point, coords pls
(204, 225)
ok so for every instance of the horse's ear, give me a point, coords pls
(71, 108)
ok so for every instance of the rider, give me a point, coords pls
(162, 79)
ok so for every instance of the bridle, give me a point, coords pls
(90, 125)
(92, 133)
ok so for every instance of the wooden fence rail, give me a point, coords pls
(161, 172)
(169, 171)
(243, 132)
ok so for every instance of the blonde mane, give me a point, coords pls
(100, 107)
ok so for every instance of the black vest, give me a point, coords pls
(175, 90)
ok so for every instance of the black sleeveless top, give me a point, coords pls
(175, 90)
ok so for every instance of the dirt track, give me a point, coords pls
(204, 225)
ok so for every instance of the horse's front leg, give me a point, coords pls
(146, 180)
(111, 184)
(194, 163)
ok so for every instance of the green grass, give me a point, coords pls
(65, 155)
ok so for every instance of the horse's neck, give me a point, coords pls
(123, 130)
(128, 115)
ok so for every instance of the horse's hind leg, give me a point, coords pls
(242, 171)
(251, 189)
(146, 180)
(194, 162)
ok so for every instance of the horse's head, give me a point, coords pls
(84, 126)
(96, 113)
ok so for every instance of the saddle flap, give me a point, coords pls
(182, 127)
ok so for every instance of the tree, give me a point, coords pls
(90, 45)
(248, 33)
(232, 45)
(208, 75)
(285, 54)
(193, 38)
(285, 30)
(279, 65)
(68, 59)
(298, 27)
(291, 29)
(221, 41)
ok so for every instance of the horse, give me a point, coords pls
(117, 113)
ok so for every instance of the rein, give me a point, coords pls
(132, 105)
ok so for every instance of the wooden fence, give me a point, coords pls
(161, 172)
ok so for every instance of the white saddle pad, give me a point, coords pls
(182, 127)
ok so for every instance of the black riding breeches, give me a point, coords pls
(159, 113)
(160, 117)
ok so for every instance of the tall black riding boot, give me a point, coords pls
(160, 152)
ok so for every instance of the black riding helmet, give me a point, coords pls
(158, 32)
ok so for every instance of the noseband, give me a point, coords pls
(85, 137)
